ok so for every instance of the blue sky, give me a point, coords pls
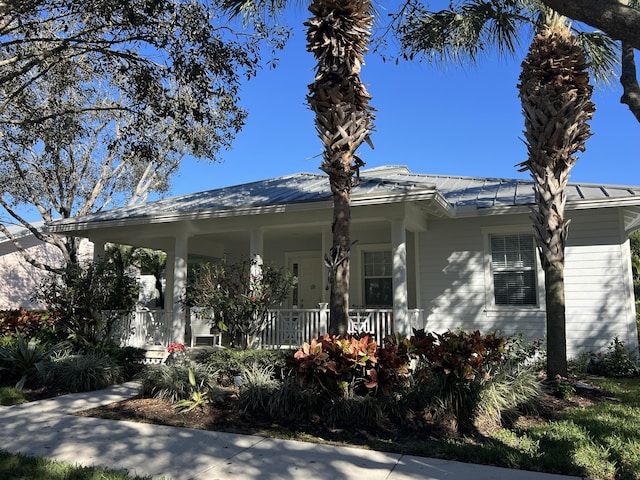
(453, 120)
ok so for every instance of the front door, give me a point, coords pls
(307, 292)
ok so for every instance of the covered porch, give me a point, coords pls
(287, 221)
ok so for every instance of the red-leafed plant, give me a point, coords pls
(459, 362)
(338, 365)
(26, 322)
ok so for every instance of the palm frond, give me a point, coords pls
(252, 10)
(459, 34)
(603, 54)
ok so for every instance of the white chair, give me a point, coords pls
(201, 328)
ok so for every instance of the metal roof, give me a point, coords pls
(455, 194)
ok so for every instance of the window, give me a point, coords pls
(378, 268)
(513, 269)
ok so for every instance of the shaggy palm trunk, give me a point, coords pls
(338, 35)
(556, 102)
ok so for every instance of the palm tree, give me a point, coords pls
(556, 100)
(555, 95)
(338, 35)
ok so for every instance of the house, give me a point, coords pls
(436, 251)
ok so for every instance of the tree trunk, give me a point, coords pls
(339, 301)
(556, 333)
(613, 17)
(629, 81)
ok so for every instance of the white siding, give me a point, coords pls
(453, 290)
(20, 279)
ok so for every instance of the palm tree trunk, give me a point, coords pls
(338, 35)
(556, 323)
(556, 103)
(339, 262)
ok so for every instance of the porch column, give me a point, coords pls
(399, 282)
(177, 285)
(256, 243)
(98, 250)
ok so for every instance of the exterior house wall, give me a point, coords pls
(454, 283)
(20, 279)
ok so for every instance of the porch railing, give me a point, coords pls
(287, 328)
(145, 327)
(291, 328)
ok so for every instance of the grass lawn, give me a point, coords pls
(600, 441)
(20, 467)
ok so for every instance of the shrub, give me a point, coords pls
(171, 382)
(83, 372)
(198, 397)
(458, 365)
(258, 385)
(29, 323)
(229, 363)
(131, 359)
(240, 294)
(346, 365)
(12, 396)
(89, 300)
(291, 401)
(617, 361)
(513, 389)
(25, 360)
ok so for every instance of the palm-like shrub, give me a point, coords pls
(258, 386)
(25, 360)
(83, 372)
(512, 389)
(171, 382)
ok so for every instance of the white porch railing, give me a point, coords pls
(291, 328)
(145, 327)
(287, 328)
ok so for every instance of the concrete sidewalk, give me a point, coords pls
(46, 429)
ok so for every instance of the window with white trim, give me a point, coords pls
(513, 269)
(378, 270)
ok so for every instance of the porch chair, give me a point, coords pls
(201, 328)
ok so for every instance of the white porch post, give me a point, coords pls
(399, 282)
(98, 250)
(256, 243)
(177, 285)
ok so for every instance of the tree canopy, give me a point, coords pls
(100, 100)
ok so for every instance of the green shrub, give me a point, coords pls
(171, 382)
(131, 359)
(83, 372)
(512, 389)
(291, 401)
(258, 385)
(12, 396)
(24, 360)
(198, 397)
(230, 363)
(617, 361)
(90, 300)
